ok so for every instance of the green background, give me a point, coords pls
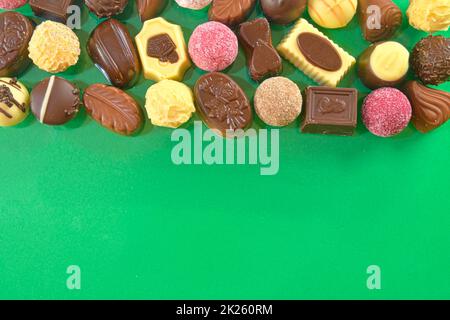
(141, 227)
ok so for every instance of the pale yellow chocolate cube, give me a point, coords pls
(289, 49)
(154, 68)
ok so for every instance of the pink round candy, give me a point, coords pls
(12, 4)
(213, 46)
(386, 112)
(193, 4)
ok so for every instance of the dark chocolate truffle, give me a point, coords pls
(431, 59)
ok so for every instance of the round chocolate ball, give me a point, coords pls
(283, 11)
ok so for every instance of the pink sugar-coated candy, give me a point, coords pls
(386, 112)
(213, 46)
(12, 4)
(193, 4)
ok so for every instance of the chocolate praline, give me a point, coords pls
(283, 11)
(149, 9)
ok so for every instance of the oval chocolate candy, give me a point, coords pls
(283, 11)
(222, 104)
(149, 9)
(111, 48)
(16, 31)
(113, 108)
(319, 51)
(230, 12)
(55, 101)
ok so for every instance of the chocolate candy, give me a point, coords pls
(113, 108)
(379, 27)
(16, 31)
(383, 64)
(431, 107)
(51, 9)
(262, 58)
(431, 59)
(331, 111)
(315, 54)
(231, 12)
(283, 11)
(429, 15)
(111, 48)
(55, 101)
(222, 104)
(14, 102)
(149, 9)
(332, 13)
(106, 8)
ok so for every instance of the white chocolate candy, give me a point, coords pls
(332, 14)
(14, 102)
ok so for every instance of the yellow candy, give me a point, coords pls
(289, 49)
(429, 15)
(332, 14)
(54, 47)
(14, 102)
(169, 103)
(170, 58)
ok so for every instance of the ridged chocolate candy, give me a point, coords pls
(431, 107)
(431, 59)
(379, 19)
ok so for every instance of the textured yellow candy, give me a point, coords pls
(14, 102)
(54, 47)
(429, 15)
(169, 103)
(332, 13)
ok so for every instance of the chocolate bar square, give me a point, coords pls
(331, 111)
(55, 10)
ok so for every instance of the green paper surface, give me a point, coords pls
(139, 226)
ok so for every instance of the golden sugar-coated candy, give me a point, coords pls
(169, 104)
(54, 47)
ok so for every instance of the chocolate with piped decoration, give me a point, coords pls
(262, 58)
(149, 9)
(113, 108)
(55, 101)
(14, 102)
(222, 104)
(111, 48)
(230, 12)
(16, 31)
(51, 9)
(383, 64)
(431, 107)
(106, 8)
(377, 27)
(331, 111)
(283, 11)
(430, 59)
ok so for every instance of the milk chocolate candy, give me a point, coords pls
(379, 19)
(113, 108)
(331, 111)
(431, 107)
(56, 10)
(149, 9)
(106, 8)
(383, 64)
(283, 11)
(231, 12)
(55, 101)
(16, 31)
(111, 48)
(430, 59)
(262, 58)
(222, 104)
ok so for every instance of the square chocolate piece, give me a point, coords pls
(331, 111)
(55, 10)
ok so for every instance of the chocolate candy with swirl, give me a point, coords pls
(379, 19)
